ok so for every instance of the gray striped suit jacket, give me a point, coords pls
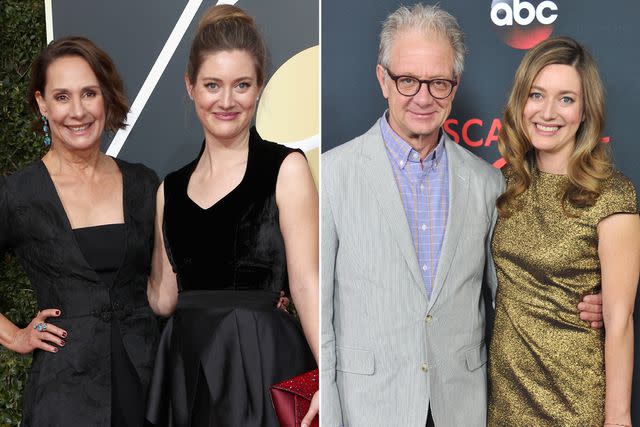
(388, 351)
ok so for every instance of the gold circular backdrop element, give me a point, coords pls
(288, 108)
(288, 111)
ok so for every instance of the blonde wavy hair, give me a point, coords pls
(590, 163)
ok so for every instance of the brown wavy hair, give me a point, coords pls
(590, 163)
(115, 101)
(226, 28)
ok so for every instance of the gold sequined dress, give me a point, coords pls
(546, 366)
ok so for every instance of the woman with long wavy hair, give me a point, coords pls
(568, 225)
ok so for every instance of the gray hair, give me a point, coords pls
(427, 19)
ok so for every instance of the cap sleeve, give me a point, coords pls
(618, 196)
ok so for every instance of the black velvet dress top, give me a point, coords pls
(227, 342)
(238, 238)
(74, 386)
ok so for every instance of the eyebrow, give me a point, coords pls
(564, 92)
(219, 79)
(62, 89)
(437, 76)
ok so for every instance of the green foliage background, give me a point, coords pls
(22, 37)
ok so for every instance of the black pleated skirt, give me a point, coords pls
(218, 355)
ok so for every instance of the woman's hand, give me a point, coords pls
(313, 410)
(39, 337)
(283, 302)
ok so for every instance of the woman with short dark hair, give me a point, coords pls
(81, 224)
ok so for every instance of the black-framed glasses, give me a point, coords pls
(409, 86)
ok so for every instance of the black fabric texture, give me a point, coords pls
(73, 386)
(238, 239)
(227, 342)
(103, 248)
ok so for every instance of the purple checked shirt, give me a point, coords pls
(424, 187)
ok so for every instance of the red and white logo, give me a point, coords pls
(523, 24)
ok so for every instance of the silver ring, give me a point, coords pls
(40, 327)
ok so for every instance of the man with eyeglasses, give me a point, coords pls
(407, 218)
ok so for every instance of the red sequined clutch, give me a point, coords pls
(292, 398)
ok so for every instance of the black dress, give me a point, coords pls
(103, 248)
(74, 386)
(227, 342)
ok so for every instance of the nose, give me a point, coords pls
(423, 97)
(226, 98)
(77, 107)
(548, 109)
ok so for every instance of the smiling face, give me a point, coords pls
(417, 119)
(73, 104)
(554, 111)
(225, 94)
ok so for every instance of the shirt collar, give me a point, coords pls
(402, 152)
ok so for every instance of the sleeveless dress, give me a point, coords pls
(227, 342)
(546, 366)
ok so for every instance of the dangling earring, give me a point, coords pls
(45, 129)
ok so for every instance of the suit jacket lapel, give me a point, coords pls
(383, 187)
(458, 194)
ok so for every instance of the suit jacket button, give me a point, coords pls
(424, 367)
(428, 319)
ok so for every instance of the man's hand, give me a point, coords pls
(591, 310)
